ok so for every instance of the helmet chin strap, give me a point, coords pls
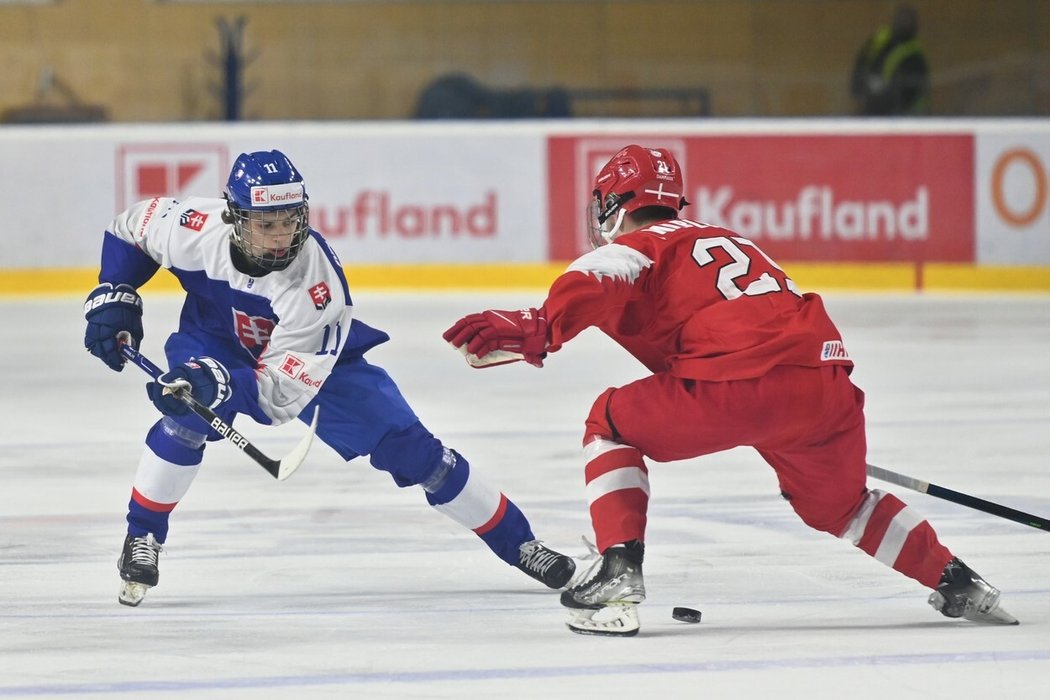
(615, 230)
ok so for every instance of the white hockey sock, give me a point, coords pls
(162, 482)
(475, 505)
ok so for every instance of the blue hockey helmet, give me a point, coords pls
(267, 206)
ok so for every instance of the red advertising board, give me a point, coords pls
(860, 198)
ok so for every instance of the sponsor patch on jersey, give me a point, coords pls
(833, 350)
(253, 331)
(291, 365)
(321, 295)
(192, 219)
(295, 368)
(150, 211)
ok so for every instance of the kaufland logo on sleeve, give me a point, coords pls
(277, 195)
(292, 365)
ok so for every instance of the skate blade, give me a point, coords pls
(996, 616)
(132, 593)
(619, 620)
(987, 614)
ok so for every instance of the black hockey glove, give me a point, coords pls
(109, 311)
(205, 378)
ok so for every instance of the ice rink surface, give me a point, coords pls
(336, 584)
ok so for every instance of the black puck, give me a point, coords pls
(686, 614)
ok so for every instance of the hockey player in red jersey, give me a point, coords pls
(739, 357)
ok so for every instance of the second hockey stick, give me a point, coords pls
(963, 499)
(280, 469)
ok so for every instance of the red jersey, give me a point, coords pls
(694, 300)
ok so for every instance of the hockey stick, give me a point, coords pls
(280, 469)
(963, 499)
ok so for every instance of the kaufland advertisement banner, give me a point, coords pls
(962, 194)
(405, 194)
(843, 190)
(802, 197)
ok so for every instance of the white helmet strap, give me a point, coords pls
(610, 232)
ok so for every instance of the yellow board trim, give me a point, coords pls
(869, 277)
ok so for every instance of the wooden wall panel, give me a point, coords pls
(147, 61)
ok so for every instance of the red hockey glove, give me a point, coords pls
(495, 337)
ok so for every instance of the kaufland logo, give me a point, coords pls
(277, 195)
(816, 212)
(291, 365)
(147, 170)
(380, 214)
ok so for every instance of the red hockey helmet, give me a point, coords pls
(635, 177)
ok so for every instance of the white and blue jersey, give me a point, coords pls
(290, 343)
(280, 334)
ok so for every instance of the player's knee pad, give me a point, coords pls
(190, 424)
(174, 442)
(599, 424)
(182, 434)
(414, 456)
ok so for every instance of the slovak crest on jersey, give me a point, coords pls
(321, 295)
(192, 219)
(253, 331)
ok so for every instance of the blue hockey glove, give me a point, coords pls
(111, 310)
(206, 380)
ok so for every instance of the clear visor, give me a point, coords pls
(603, 223)
(270, 239)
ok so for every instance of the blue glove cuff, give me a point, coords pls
(111, 310)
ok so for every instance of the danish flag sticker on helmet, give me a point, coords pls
(634, 178)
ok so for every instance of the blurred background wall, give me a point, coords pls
(156, 61)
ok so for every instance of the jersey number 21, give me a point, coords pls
(729, 281)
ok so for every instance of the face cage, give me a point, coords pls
(604, 224)
(253, 228)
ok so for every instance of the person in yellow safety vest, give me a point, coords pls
(891, 75)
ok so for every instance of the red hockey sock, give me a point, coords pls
(617, 491)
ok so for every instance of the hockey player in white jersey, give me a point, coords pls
(267, 330)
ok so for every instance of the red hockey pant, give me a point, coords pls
(807, 423)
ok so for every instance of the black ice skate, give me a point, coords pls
(138, 568)
(605, 602)
(962, 593)
(550, 568)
